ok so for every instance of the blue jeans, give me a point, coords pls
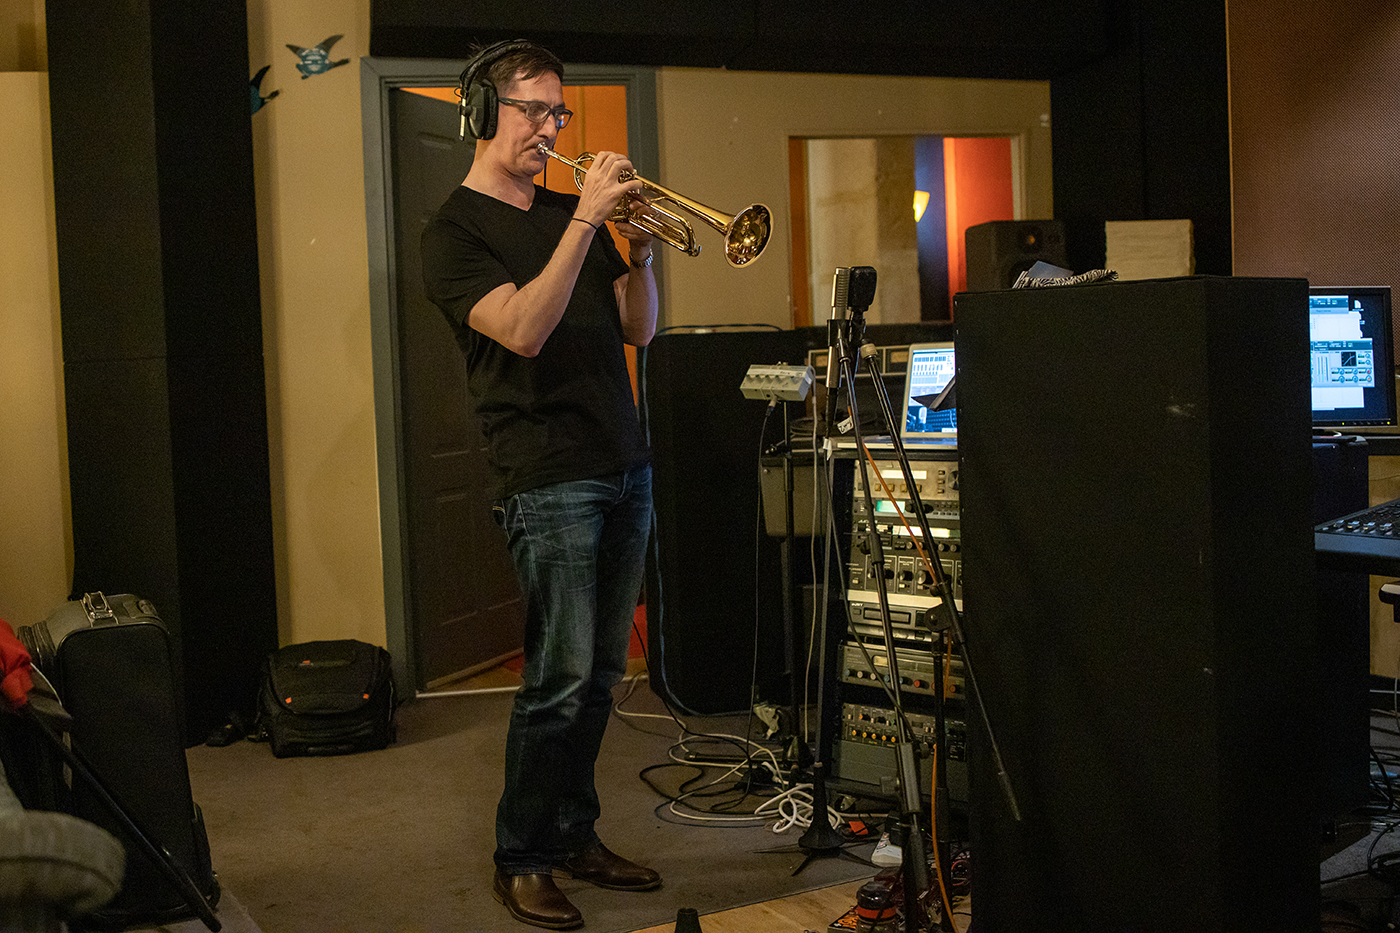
(579, 550)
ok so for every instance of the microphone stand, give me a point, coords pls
(820, 839)
(914, 865)
(943, 620)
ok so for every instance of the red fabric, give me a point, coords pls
(15, 682)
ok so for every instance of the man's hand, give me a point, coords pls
(601, 188)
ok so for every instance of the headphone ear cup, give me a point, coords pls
(480, 100)
(482, 108)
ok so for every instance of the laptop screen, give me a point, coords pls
(1353, 377)
(930, 370)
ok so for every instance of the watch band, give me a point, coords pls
(644, 263)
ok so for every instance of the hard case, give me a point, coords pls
(110, 660)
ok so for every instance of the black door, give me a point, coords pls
(465, 604)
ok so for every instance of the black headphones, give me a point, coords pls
(479, 102)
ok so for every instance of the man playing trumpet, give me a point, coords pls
(542, 302)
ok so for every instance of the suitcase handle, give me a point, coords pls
(98, 609)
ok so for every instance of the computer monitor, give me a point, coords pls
(930, 370)
(1353, 375)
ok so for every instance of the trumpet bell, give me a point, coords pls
(747, 235)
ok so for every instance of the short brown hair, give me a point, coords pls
(523, 63)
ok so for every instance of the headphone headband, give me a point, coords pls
(478, 97)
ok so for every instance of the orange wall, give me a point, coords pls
(599, 124)
(977, 180)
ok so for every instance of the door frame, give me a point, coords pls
(379, 78)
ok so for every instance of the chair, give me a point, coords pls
(53, 867)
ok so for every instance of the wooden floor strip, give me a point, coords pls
(812, 910)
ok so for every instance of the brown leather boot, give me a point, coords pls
(537, 900)
(605, 869)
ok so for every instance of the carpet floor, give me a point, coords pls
(400, 840)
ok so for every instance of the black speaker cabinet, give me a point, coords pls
(714, 575)
(1000, 250)
(1138, 586)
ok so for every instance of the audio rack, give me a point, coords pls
(866, 746)
(863, 753)
(917, 673)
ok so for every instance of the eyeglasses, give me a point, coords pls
(537, 111)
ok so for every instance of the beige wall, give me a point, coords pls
(315, 293)
(311, 216)
(860, 213)
(724, 138)
(723, 141)
(23, 45)
(36, 551)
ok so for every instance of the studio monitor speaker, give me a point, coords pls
(1000, 250)
(1136, 518)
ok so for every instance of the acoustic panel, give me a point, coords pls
(714, 580)
(1138, 585)
(1021, 39)
(164, 381)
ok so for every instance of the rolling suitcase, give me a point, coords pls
(110, 662)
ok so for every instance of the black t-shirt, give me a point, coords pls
(567, 413)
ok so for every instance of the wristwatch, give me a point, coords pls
(644, 263)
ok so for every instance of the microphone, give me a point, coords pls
(840, 285)
(861, 291)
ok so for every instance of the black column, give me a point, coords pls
(1136, 491)
(1143, 133)
(162, 329)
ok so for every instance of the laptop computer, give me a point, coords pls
(929, 415)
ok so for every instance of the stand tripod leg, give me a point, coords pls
(821, 839)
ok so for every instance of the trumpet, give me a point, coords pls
(745, 233)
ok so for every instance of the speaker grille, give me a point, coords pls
(1000, 250)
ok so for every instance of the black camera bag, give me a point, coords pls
(327, 698)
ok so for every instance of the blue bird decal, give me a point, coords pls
(255, 89)
(317, 60)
